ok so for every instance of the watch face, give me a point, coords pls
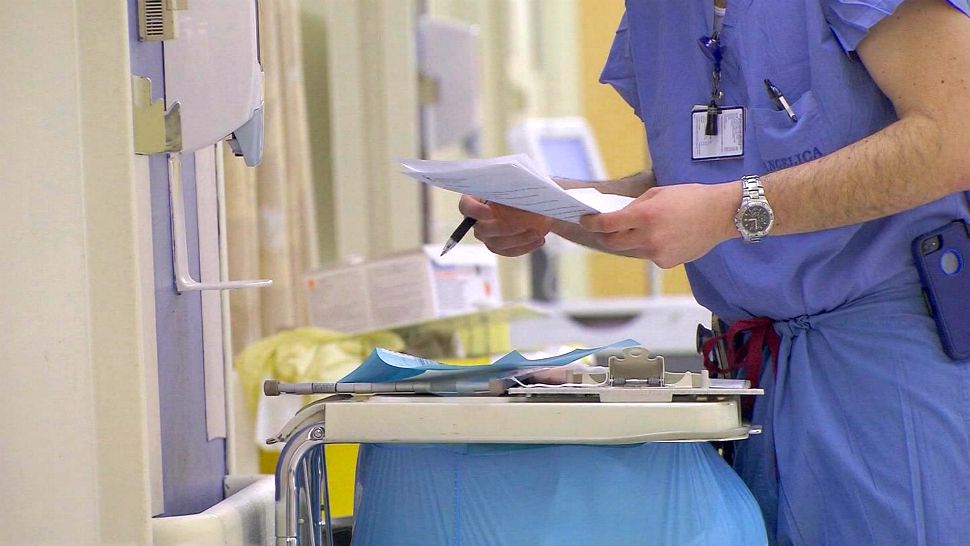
(756, 219)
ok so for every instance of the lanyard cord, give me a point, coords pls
(712, 49)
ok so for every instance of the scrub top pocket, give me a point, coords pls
(783, 143)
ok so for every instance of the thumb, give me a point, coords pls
(473, 208)
(607, 222)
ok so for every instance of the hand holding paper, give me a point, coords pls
(514, 181)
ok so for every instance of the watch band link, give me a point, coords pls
(752, 188)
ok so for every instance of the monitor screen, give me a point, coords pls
(567, 157)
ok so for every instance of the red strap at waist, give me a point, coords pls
(748, 356)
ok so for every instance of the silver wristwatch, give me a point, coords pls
(754, 217)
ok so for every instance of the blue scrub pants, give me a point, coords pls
(867, 430)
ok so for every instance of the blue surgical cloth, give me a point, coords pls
(663, 494)
(866, 418)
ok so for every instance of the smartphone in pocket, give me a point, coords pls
(942, 257)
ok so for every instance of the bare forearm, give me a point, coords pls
(903, 166)
(630, 186)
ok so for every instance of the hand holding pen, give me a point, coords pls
(504, 230)
(460, 232)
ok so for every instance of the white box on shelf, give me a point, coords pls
(404, 288)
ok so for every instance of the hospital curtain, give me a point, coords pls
(271, 228)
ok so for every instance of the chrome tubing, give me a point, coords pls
(292, 463)
(313, 413)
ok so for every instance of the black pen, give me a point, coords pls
(781, 103)
(459, 233)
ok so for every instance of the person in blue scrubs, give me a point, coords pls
(867, 420)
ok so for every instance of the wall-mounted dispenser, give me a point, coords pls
(213, 91)
(212, 71)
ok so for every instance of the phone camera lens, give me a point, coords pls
(930, 245)
(951, 262)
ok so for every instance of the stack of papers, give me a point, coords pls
(515, 181)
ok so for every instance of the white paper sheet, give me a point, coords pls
(603, 202)
(514, 181)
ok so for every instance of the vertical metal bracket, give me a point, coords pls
(156, 130)
(183, 278)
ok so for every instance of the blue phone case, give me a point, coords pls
(942, 257)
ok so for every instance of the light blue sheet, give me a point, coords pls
(672, 494)
(383, 365)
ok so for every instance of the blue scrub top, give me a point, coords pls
(802, 46)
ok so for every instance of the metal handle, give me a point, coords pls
(301, 487)
(183, 279)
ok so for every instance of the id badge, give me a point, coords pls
(727, 143)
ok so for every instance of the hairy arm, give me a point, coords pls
(917, 57)
(631, 186)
